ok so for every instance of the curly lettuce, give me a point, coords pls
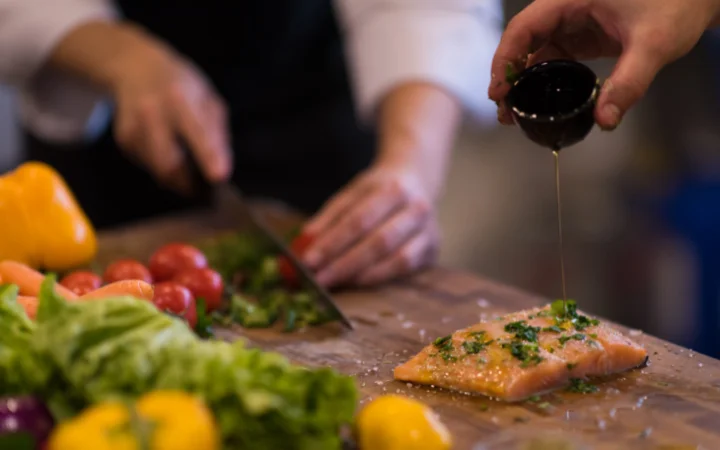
(122, 347)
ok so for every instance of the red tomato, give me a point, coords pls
(176, 299)
(171, 259)
(81, 282)
(298, 246)
(204, 284)
(127, 269)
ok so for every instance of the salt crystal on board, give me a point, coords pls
(483, 303)
(635, 332)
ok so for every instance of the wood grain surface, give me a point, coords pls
(674, 403)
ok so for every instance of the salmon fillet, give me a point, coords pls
(523, 354)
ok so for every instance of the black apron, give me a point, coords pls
(280, 67)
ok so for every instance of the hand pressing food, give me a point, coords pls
(524, 354)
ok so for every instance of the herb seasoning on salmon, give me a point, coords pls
(524, 354)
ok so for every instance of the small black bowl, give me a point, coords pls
(553, 102)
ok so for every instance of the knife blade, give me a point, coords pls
(201, 186)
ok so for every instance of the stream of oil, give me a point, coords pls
(556, 155)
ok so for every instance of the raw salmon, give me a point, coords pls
(524, 354)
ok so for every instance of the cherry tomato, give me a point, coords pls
(298, 246)
(204, 284)
(81, 282)
(127, 269)
(176, 299)
(171, 259)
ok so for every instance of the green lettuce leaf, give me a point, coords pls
(120, 348)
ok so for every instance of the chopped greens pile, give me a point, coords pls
(258, 295)
(80, 353)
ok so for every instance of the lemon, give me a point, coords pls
(394, 422)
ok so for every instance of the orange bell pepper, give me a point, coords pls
(43, 226)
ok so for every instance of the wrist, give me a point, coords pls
(418, 122)
(107, 53)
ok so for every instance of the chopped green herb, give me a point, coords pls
(551, 350)
(441, 341)
(484, 407)
(571, 366)
(473, 347)
(482, 361)
(534, 399)
(593, 335)
(447, 357)
(553, 329)
(568, 312)
(527, 353)
(574, 337)
(582, 322)
(592, 343)
(445, 346)
(477, 334)
(544, 405)
(523, 331)
(580, 386)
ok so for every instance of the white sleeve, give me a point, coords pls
(53, 105)
(447, 42)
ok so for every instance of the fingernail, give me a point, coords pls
(612, 113)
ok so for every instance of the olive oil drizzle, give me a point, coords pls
(556, 154)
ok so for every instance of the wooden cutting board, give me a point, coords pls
(674, 403)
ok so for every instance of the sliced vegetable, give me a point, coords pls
(133, 288)
(171, 259)
(203, 283)
(298, 246)
(43, 225)
(25, 415)
(81, 282)
(27, 279)
(127, 269)
(176, 299)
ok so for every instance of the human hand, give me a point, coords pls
(645, 34)
(379, 227)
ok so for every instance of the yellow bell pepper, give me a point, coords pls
(42, 225)
(394, 422)
(161, 420)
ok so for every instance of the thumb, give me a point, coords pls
(634, 72)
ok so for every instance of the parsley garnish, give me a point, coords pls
(523, 331)
(569, 313)
(441, 341)
(553, 329)
(527, 353)
(473, 347)
(510, 75)
(571, 366)
(445, 346)
(575, 337)
(581, 386)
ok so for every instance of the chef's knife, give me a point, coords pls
(201, 186)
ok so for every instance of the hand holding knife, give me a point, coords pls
(200, 186)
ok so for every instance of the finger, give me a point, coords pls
(527, 31)
(365, 215)
(631, 78)
(201, 130)
(548, 52)
(380, 243)
(160, 151)
(411, 256)
(336, 207)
